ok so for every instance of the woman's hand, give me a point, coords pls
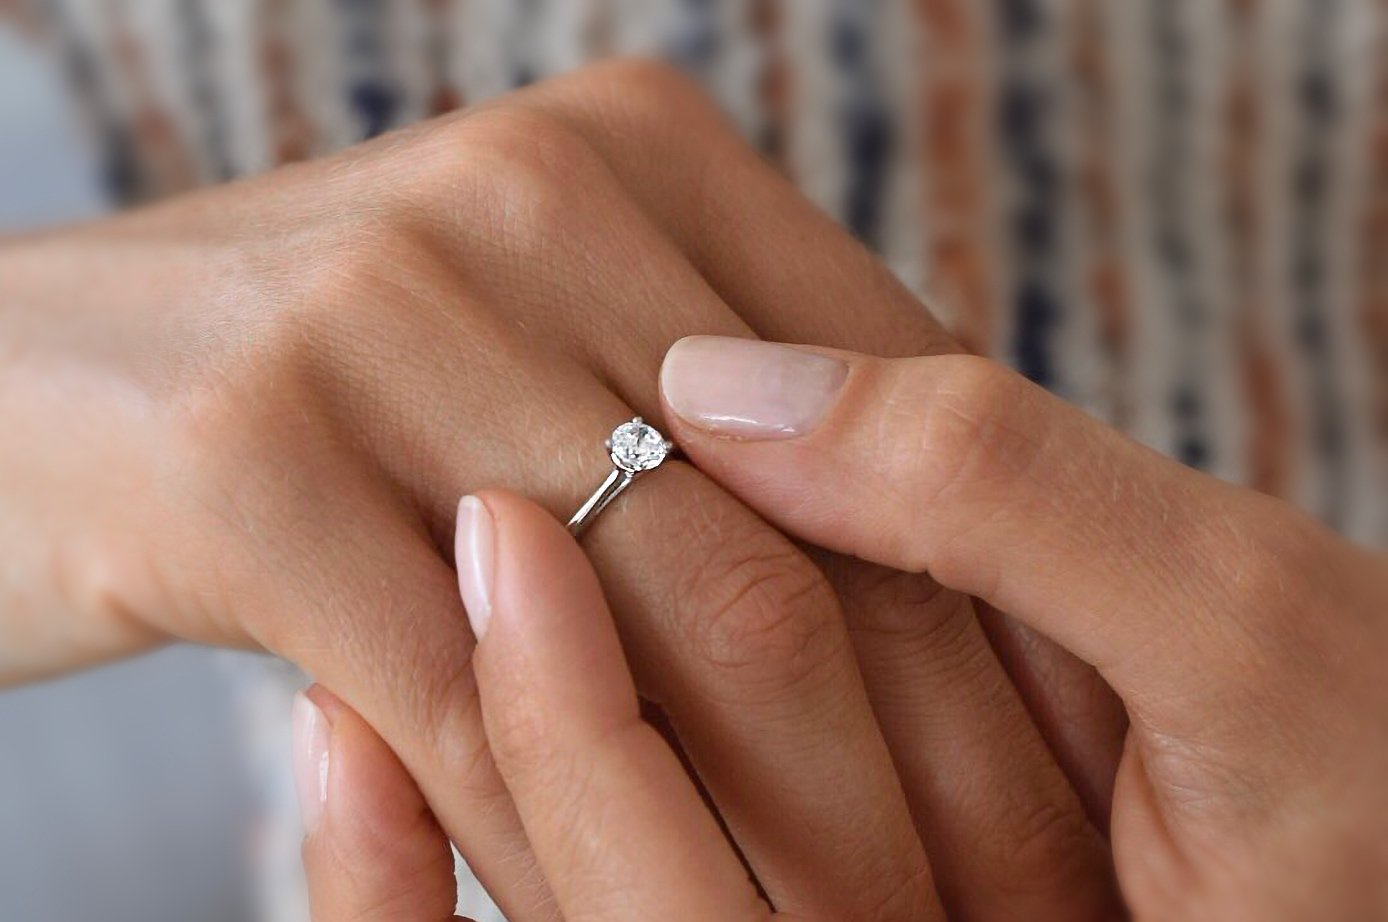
(619, 829)
(1247, 642)
(245, 418)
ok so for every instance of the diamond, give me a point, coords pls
(637, 447)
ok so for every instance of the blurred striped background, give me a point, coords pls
(1172, 212)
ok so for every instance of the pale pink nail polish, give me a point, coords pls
(475, 550)
(311, 734)
(748, 388)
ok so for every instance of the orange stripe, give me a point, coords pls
(954, 95)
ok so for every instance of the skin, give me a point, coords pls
(616, 823)
(1251, 782)
(246, 417)
(1245, 640)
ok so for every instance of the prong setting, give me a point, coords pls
(637, 447)
(634, 448)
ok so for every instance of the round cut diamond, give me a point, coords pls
(637, 447)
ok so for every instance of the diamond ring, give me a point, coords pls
(635, 448)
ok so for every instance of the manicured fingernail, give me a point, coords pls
(311, 734)
(748, 388)
(475, 550)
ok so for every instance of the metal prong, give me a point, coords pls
(638, 420)
(669, 446)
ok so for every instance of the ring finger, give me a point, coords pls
(1020, 844)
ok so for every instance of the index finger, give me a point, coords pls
(616, 823)
(373, 849)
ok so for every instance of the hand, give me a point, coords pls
(245, 418)
(1246, 641)
(619, 829)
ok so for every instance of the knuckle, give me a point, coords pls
(237, 408)
(909, 896)
(1052, 846)
(649, 88)
(571, 798)
(579, 805)
(412, 869)
(759, 608)
(427, 677)
(444, 694)
(349, 277)
(222, 418)
(919, 626)
(969, 432)
(960, 438)
(1280, 571)
(893, 603)
(1276, 580)
(634, 72)
(951, 644)
(567, 785)
(519, 735)
(117, 585)
(514, 167)
(951, 648)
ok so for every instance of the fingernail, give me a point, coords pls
(749, 388)
(311, 732)
(475, 550)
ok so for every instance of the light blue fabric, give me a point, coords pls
(47, 170)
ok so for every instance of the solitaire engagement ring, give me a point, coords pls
(634, 448)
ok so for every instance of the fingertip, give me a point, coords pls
(750, 389)
(312, 732)
(552, 646)
(377, 847)
(475, 556)
(533, 552)
(543, 594)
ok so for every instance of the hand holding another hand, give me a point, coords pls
(1243, 638)
(1246, 641)
(245, 417)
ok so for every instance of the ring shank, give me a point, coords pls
(611, 488)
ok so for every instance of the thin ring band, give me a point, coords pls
(634, 448)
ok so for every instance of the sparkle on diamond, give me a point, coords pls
(637, 447)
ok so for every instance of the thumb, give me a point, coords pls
(374, 850)
(956, 465)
